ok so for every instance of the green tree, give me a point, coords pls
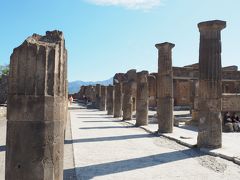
(4, 70)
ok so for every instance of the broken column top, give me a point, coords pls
(165, 45)
(142, 76)
(212, 25)
(38, 66)
(50, 37)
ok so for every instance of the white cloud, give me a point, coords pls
(130, 4)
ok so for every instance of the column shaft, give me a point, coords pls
(165, 88)
(142, 99)
(210, 84)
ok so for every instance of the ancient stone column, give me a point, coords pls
(98, 95)
(142, 99)
(210, 84)
(110, 99)
(118, 100)
(152, 88)
(165, 88)
(93, 93)
(103, 99)
(132, 78)
(37, 108)
(195, 110)
(127, 101)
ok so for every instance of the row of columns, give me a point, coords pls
(37, 100)
(209, 95)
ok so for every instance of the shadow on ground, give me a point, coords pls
(89, 172)
(107, 127)
(101, 121)
(111, 138)
(2, 148)
(69, 174)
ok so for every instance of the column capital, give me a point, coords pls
(215, 25)
(165, 45)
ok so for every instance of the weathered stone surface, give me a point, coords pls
(37, 108)
(152, 91)
(103, 99)
(110, 99)
(142, 99)
(131, 76)
(118, 100)
(3, 89)
(127, 106)
(98, 95)
(210, 84)
(119, 78)
(165, 92)
(230, 103)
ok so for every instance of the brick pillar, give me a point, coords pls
(142, 99)
(118, 100)
(37, 108)
(110, 99)
(98, 95)
(165, 92)
(210, 84)
(127, 101)
(103, 98)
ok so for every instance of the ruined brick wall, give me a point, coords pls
(230, 102)
(182, 92)
(119, 78)
(231, 86)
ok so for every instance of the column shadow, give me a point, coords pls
(3, 148)
(69, 174)
(111, 138)
(107, 127)
(101, 121)
(89, 172)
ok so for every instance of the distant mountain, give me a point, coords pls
(74, 87)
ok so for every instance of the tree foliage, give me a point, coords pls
(4, 70)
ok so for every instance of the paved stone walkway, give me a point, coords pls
(98, 146)
(187, 135)
(2, 147)
(106, 148)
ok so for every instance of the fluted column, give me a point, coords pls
(152, 86)
(98, 95)
(210, 84)
(118, 100)
(103, 99)
(165, 92)
(110, 99)
(127, 106)
(37, 108)
(142, 99)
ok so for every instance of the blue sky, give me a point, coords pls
(108, 36)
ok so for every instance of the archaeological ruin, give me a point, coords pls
(37, 108)
(183, 88)
(103, 99)
(37, 100)
(110, 99)
(165, 92)
(210, 84)
(142, 99)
